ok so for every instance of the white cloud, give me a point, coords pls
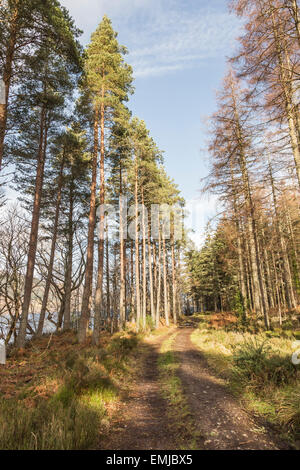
(162, 36)
(175, 41)
(89, 12)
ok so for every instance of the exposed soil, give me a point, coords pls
(141, 422)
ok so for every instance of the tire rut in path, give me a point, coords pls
(218, 416)
(143, 423)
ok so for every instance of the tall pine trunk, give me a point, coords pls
(137, 249)
(150, 264)
(174, 280)
(87, 292)
(166, 302)
(7, 76)
(158, 295)
(99, 287)
(53, 247)
(144, 272)
(34, 228)
(68, 283)
(122, 262)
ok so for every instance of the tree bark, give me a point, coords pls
(150, 263)
(166, 303)
(53, 247)
(137, 256)
(122, 264)
(68, 283)
(99, 287)
(144, 272)
(34, 229)
(158, 277)
(7, 75)
(87, 292)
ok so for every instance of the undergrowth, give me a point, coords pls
(71, 414)
(258, 368)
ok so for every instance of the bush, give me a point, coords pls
(289, 411)
(256, 364)
(122, 344)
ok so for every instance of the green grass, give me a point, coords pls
(259, 370)
(48, 426)
(179, 415)
(74, 415)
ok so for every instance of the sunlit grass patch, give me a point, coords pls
(259, 369)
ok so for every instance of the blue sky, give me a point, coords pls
(178, 51)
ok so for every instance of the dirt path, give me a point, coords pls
(142, 422)
(219, 418)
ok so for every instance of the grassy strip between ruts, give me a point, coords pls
(259, 370)
(63, 397)
(179, 415)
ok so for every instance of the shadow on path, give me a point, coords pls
(143, 422)
(218, 416)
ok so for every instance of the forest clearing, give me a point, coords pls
(149, 279)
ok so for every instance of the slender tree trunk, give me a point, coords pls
(264, 252)
(137, 255)
(125, 279)
(152, 309)
(258, 288)
(174, 278)
(249, 276)
(7, 75)
(131, 278)
(114, 290)
(110, 319)
(34, 229)
(61, 313)
(277, 289)
(294, 251)
(286, 87)
(87, 292)
(155, 274)
(296, 16)
(122, 264)
(166, 303)
(242, 283)
(99, 287)
(285, 260)
(178, 290)
(158, 277)
(53, 247)
(144, 263)
(68, 283)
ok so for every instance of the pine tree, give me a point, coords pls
(109, 80)
(42, 100)
(24, 25)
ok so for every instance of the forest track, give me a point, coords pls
(218, 416)
(142, 421)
